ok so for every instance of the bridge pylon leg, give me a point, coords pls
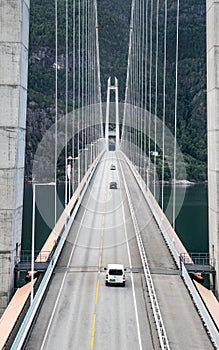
(13, 97)
(112, 134)
(212, 11)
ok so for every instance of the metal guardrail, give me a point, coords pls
(152, 295)
(26, 324)
(201, 262)
(26, 266)
(206, 318)
(41, 261)
(202, 310)
(198, 258)
(26, 256)
(162, 221)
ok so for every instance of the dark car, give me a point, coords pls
(113, 167)
(113, 185)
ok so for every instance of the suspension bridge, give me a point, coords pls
(115, 156)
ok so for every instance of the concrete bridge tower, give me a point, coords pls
(14, 34)
(213, 130)
(115, 133)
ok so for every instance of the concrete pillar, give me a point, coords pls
(107, 114)
(114, 88)
(213, 130)
(117, 113)
(14, 34)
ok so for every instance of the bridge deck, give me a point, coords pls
(80, 310)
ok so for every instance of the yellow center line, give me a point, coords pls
(93, 331)
(99, 264)
(97, 291)
(103, 220)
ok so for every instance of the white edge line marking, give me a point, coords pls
(131, 274)
(63, 281)
(154, 302)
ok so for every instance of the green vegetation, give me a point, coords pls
(114, 18)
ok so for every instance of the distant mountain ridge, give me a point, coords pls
(114, 22)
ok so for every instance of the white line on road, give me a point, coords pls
(63, 281)
(131, 274)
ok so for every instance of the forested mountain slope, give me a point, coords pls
(113, 21)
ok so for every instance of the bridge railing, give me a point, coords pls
(62, 233)
(172, 240)
(198, 258)
(204, 314)
(164, 344)
(177, 248)
(26, 256)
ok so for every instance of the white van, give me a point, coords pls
(115, 274)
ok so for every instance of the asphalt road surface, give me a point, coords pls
(79, 312)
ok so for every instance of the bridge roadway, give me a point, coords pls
(80, 312)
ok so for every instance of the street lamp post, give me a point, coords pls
(68, 178)
(33, 231)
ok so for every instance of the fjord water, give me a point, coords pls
(43, 226)
(191, 222)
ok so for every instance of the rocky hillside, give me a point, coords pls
(113, 18)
